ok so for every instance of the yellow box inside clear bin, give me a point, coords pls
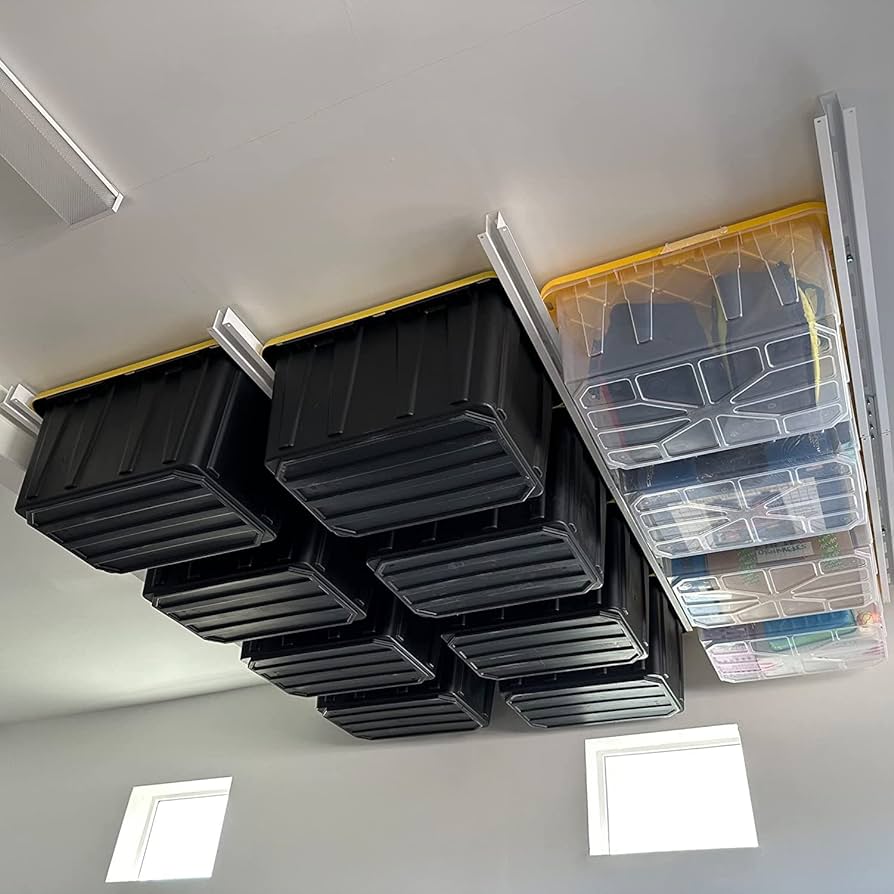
(832, 572)
(833, 641)
(717, 341)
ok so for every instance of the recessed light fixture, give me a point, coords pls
(35, 146)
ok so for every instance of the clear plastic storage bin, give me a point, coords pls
(720, 340)
(842, 640)
(782, 580)
(784, 490)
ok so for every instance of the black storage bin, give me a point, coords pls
(650, 689)
(549, 547)
(390, 647)
(307, 579)
(601, 628)
(436, 409)
(455, 701)
(160, 466)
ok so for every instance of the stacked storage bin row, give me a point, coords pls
(713, 375)
(428, 528)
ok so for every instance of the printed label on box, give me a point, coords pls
(799, 549)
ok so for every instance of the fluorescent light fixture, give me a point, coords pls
(170, 831)
(681, 790)
(47, 158)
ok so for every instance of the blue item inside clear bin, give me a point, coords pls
(807, 624)
(787, 633)
(766, 493)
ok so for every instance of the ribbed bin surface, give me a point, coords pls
(601, 628)
(307, 579)
(769, 493)
(390, 647)
(723, 339)
(548, 547)
(652, 688)
(161, 466)
(433, 410)
(455, 701)
(782, 580)
(832, 641)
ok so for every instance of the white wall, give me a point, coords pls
(315, 812)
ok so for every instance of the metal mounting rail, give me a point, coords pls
(243, 347)
(510, 267)
(838, 145)
(16, 407)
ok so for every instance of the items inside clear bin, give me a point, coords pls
(798, 577)
(842, 640)
(731, 342)
(782, 490)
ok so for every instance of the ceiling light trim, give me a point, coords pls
(114, 195)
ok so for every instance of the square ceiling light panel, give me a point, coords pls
(34, 145)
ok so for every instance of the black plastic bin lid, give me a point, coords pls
(455, 701)
(435, 409)
(390, 647)
(649, 689)
(307, 579)
(160, 466)
(549, 547)
(602, 628)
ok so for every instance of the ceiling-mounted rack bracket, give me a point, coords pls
(243, 347)
(841, 165)
(16, 407)
(506, 259)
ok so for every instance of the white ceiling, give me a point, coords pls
(299, 160)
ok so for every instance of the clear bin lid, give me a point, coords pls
(841, 640)
(721, 340)
(768, 493)
(798, 577)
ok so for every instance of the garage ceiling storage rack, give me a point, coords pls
(451, 484)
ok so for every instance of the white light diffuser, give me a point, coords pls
(47, 158)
